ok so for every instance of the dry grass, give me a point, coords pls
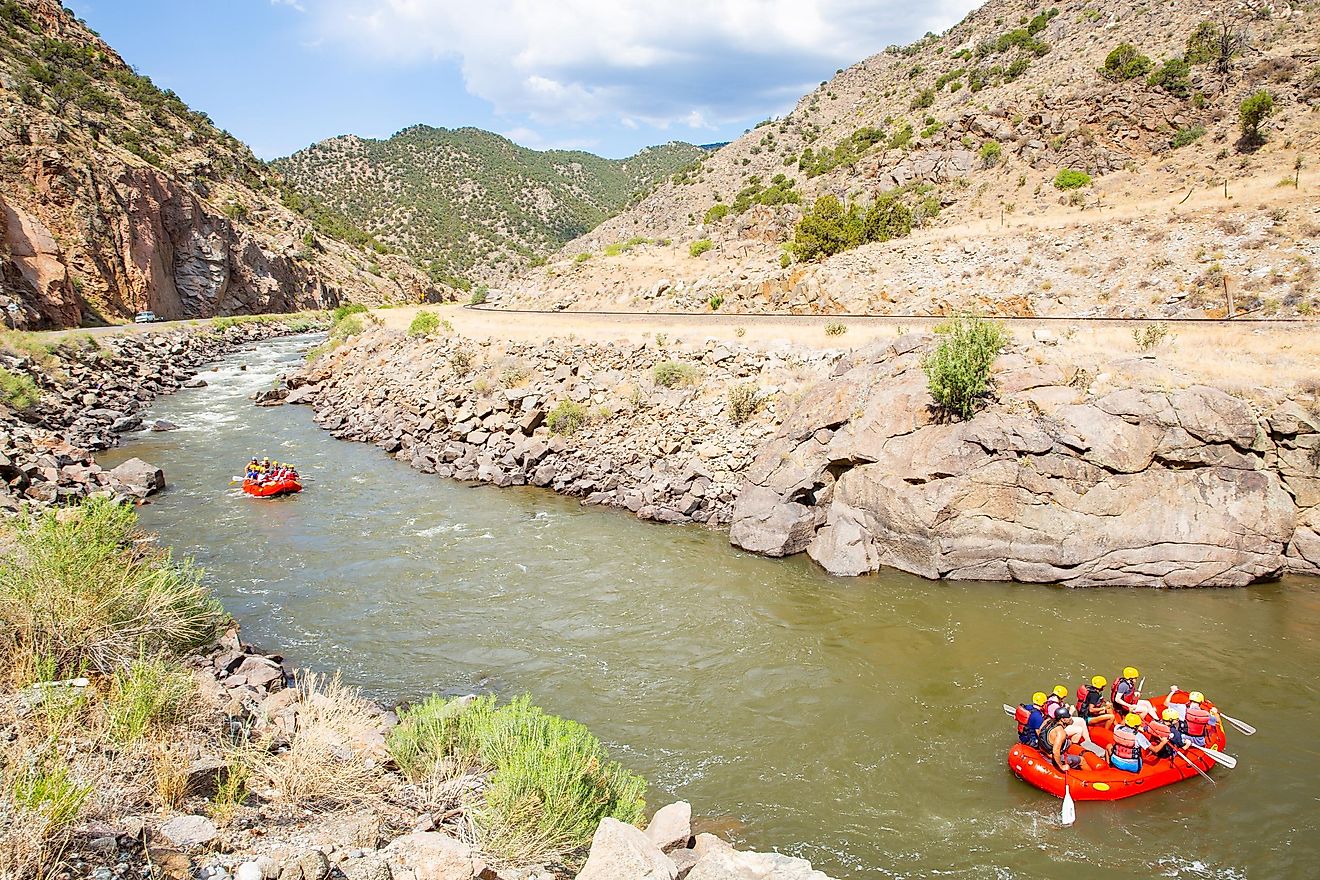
(326, 766)
(30, 847)
(170, 763)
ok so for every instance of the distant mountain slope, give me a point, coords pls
(115, 197)
(472, 204)
(970, 131)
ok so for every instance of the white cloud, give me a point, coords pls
(292, 4)
(530, 137)
(692, 62)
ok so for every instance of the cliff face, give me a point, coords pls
(117, 197)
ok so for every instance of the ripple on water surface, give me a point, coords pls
(854, 722)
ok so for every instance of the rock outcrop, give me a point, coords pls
(115, 198)
(1052, 484)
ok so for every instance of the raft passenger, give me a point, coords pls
(1126, 698)
(1091, 703)
(1125, 753)
(1054, 742)
(1029, 718)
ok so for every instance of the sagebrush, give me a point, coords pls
(958, 370)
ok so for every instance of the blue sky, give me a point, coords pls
(610, 76)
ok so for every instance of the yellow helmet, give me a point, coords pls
(1197, 697)
(1132, 719)
(1130, 672)
(1099, 681)
(1061, 692)
(1038, 698)
(1170, 715)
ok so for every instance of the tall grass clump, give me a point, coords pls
(549, 780)
(566, 418)
(18, 391)
(744, 401)
(83, 592)
(668, 374)
(958, 370)
(424, 324)
(151, 693)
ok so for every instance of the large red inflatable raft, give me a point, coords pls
(1097, 781)
(269, 490)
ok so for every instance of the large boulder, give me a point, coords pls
(671, 826)
(622, 852)
(430, 855)
(137, 478)
(188, 832)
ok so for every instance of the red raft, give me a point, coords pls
(1096, 781)
(270, 490)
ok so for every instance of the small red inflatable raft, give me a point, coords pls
(270, 490)
(1096, 781)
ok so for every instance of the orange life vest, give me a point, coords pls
(1198, 719)
(1125, 743)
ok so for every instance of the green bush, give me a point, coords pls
(828, 228)
(700, 247)
(744, 401)
(550, 781)
(342, 312)
(1174, 77)
(958, 370)
(668, 374)
(582, 258)
(717, 212)
(1125, 62)
(149, 693)
(991, 152)
(1252, 112)
(1069, 178)
(1187, 135)
(716, 300)
(479, 295)
(342, 330)
(566, 418)
(85, 592)
(18, 391)
(424, 324)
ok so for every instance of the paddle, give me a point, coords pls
(1192, 764)
(1068, 814)
(1218, 757)
(1240, 725)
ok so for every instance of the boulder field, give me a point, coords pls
(1130, 476)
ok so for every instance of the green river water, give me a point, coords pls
(856, 723)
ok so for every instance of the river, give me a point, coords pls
(856, 723)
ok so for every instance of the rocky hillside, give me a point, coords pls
(470, 204)
(117, 197)
(1039, 166)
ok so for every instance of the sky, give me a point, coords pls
(609, 76)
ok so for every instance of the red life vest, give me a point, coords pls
(1198, 720)
(1113, 691)
(1159, 730)
(1125, 743)
(1022, 714)
(1082, 693)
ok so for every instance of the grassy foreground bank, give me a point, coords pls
(112, 702)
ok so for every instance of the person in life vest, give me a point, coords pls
(1125, 753)
(1029, 718)
(1054, 742)
(1196, 719)
(1057, 697)
(1091, 703)
(1125, 697)
(1165, 735)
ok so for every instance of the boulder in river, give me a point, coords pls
(164, 425)
(137, 478)
(622, 852)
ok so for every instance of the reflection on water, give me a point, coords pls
(854, 722)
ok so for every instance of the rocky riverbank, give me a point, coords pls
(1130, 474)
(88, 392)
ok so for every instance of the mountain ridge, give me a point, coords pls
(469, 204)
